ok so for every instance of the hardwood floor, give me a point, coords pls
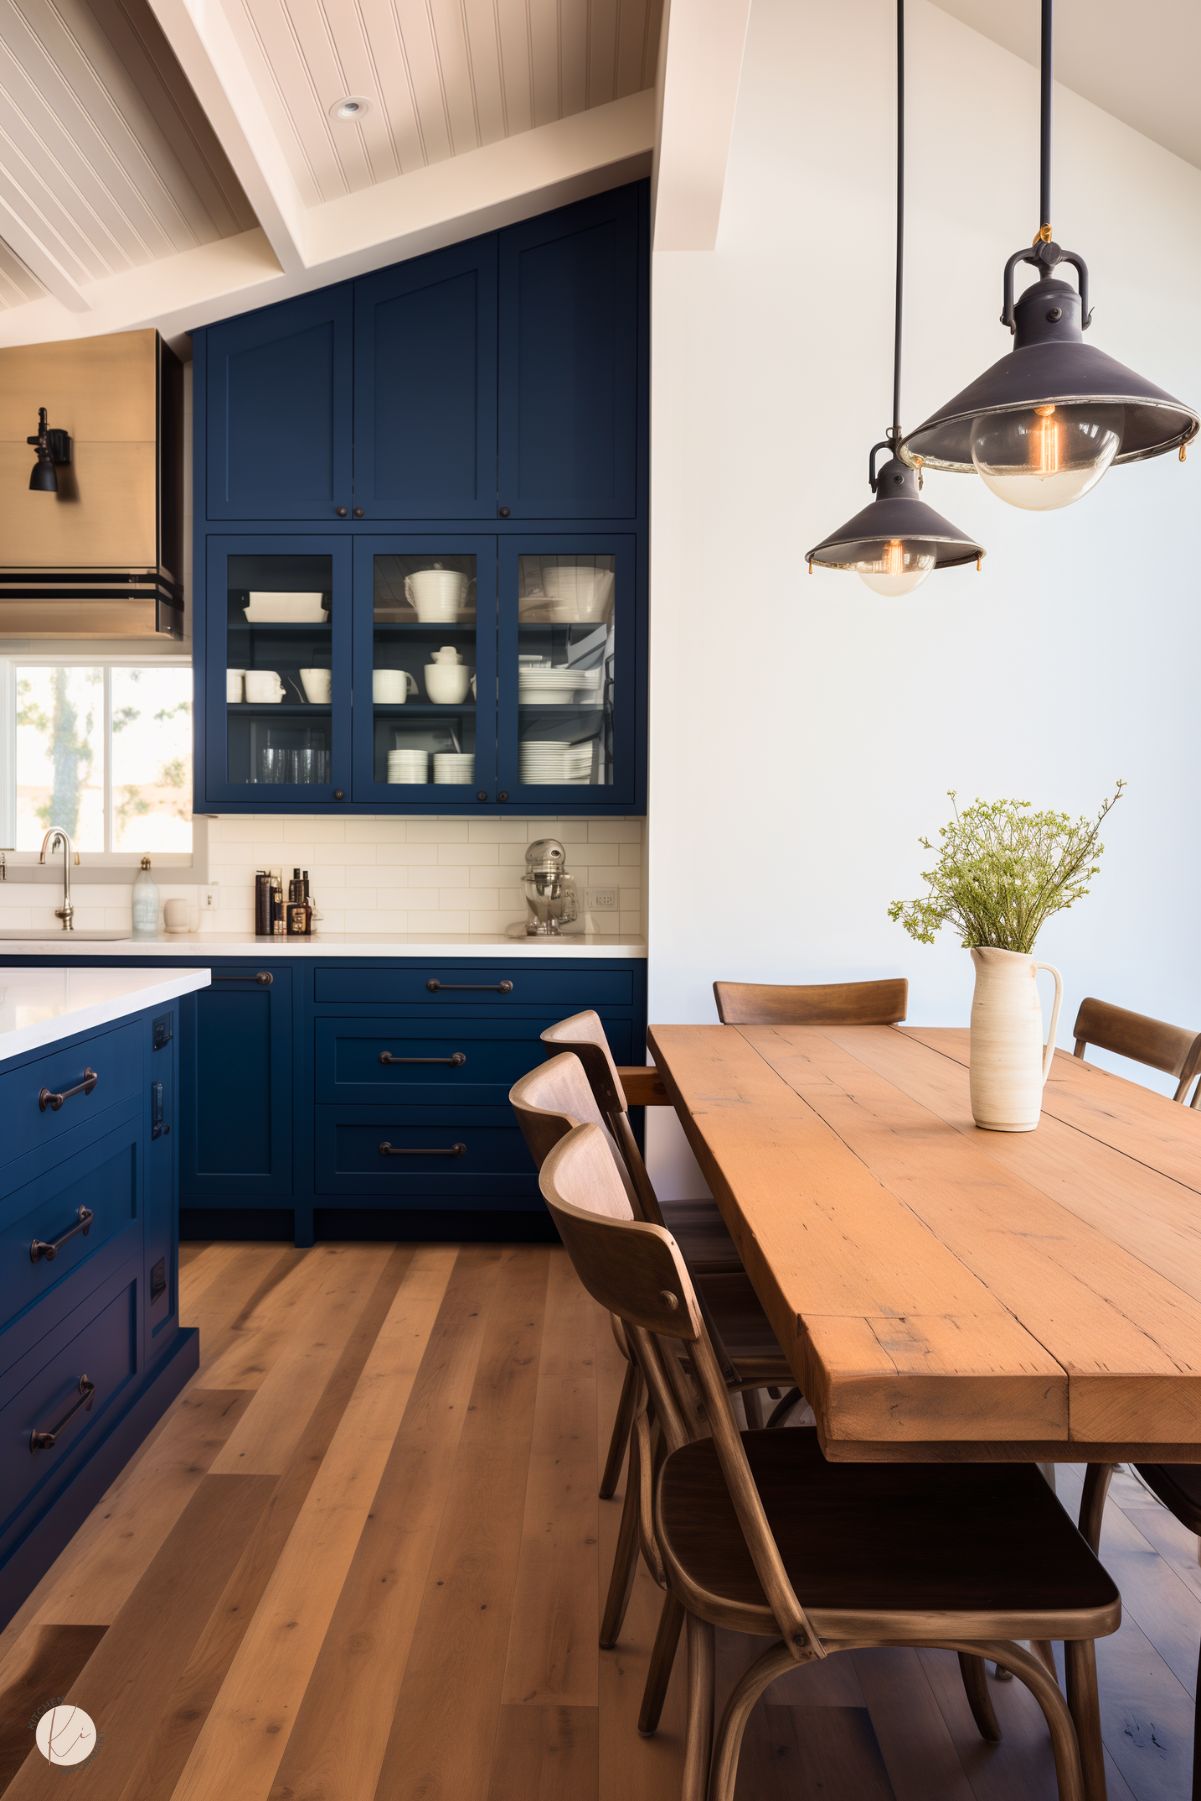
(360, 1560)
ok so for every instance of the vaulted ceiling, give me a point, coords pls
(166, 161)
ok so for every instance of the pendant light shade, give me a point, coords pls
(1043, 425)
(896, 541)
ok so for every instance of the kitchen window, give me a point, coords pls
(101, 747)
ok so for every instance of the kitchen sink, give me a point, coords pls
(43, 935)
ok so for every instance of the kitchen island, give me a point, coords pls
(91, 1350)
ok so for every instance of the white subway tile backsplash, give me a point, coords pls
(378, 875)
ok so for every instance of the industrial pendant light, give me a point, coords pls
(896, 540)
(1044, 424)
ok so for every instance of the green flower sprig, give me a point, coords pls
(1002, 870)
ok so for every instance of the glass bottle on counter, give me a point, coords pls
(145, 902)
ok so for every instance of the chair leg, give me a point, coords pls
(1097, 1478)
(620, 1437)
(1046, 1692)
(753, 1683)
(698, 1734)
(783, 1408)
(625, 1557)
(975, 1686)
(752, 1406)
(1085, 1705)
(658, 1675)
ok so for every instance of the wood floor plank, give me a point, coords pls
(246, 1296)
(242, 1740)
(50, 1661)
(337, 1746)
(129, 1675)
(169, 1739)
(442, 1734)
(1146, 1717)
(792, 1751)
(545, 1754)
(306, 1299)
(552, 1653)
(919, 1752)
(99, 1569)
(298, 1363)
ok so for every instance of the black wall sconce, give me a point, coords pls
(53, 453)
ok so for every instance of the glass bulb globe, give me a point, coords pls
(1045, 456)
(899, 569)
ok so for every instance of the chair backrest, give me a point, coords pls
(1173, 1049)
(553, 1098)
(635, 1270)
(584, 1035)
(883, 1003)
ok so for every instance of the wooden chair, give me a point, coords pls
(549, 1102)
(696, 1225)
(1172, 1049)
(812, 1004)
(757, 1533)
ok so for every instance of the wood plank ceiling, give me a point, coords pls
(106, 157)
(439, 77)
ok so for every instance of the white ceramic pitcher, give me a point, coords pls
(1010, 1062)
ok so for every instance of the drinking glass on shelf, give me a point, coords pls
(304, 765)
(273, 761)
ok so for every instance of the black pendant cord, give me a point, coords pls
(900, 268)
(1044, 148)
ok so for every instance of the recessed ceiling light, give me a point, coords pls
(352, 107)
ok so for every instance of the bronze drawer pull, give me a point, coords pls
(437, 987)
(263, 977)
(40, 1249)
(455, 1061)
(392, 1150)
(46, 1441)
(48, 1098)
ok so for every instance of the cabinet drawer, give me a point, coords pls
(52, 1227)
(28, 1093)
(97, 1341)
(455, 1059)
(445, 985)
(450, 1151)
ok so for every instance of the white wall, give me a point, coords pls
(803, 730)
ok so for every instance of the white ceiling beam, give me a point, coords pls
(483, 189)
(200, 35)
(700, 70)
(479, 191)
(41, 261)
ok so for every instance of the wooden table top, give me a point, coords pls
(943, 1292)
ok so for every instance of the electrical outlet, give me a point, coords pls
(208, 899)
(602, 900)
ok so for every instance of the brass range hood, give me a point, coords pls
(94, 548)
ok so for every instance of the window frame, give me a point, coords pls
(94, 866)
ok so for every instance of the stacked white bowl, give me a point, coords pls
(557, 686)
(454, 766)
(408, 765)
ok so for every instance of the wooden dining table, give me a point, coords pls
(943, 1292)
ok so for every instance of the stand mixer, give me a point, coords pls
(549, 891)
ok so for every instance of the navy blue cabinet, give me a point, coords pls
(91, 1350)
(237, 1087)
(277, 388)
(502, 380)
(425, 387)
(569, 340)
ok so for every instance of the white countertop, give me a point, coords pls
(43, 1006)
(330, 944)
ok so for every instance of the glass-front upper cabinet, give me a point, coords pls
(277, 664)
(568, 676)
(425, 670)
